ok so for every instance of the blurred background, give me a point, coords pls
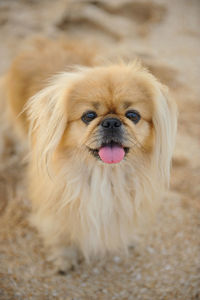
(165, 262)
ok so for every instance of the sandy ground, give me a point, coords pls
(165, 262)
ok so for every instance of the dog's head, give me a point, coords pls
(107, 115)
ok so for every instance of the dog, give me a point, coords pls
(101, 143)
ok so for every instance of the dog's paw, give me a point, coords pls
(66, 259)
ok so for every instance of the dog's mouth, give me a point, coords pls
(110, 153)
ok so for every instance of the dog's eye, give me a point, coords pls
(88, 116)
(133, 115)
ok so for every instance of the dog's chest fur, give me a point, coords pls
(99, 203)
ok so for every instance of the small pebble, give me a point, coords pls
(116, 259)
(95, 271)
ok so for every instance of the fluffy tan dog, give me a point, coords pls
(101, 146)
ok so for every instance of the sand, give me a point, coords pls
(164, 263)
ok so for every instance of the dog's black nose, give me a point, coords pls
(111, 123)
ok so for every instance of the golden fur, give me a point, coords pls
(79, 202)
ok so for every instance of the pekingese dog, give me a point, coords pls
(101, 145)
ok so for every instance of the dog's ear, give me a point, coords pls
(165, 125)
(47, 114)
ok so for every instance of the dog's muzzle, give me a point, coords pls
(111, 150)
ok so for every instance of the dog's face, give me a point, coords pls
(110, 114)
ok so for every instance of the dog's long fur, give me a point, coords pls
(78, 200)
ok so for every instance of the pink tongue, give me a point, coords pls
(111, 155)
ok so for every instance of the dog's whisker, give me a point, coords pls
(136, 143)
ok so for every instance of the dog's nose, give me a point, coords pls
(111, 123)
